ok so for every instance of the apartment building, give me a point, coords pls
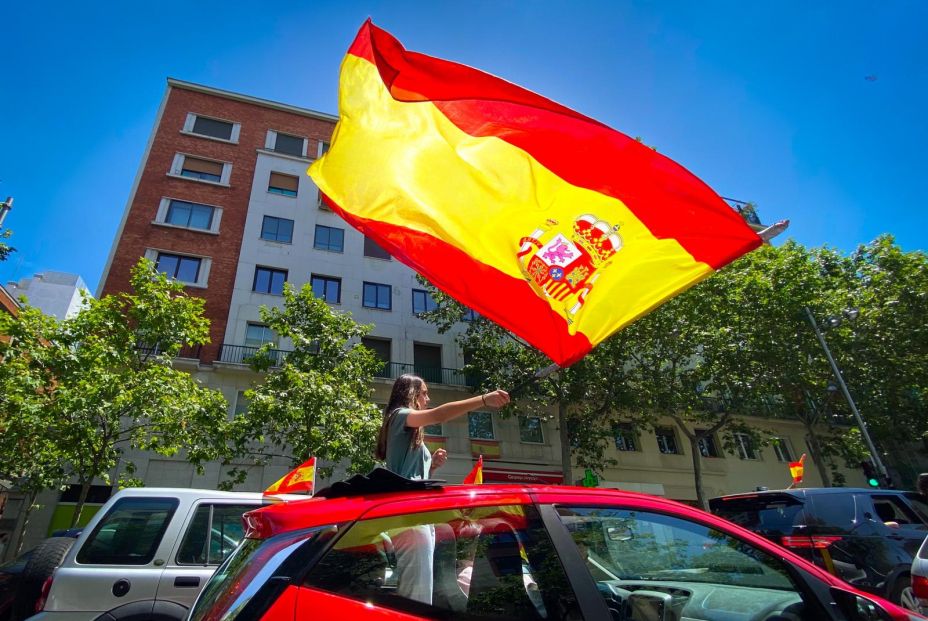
(222, 202)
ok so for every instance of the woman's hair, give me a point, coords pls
(405, 390)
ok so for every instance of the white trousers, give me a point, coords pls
(415, 550)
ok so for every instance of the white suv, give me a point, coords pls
(146, 555)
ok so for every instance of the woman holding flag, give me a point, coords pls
(400, 444)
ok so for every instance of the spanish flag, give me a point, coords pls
(797, 469)
(302, 479)
(545, 221)
(475, 476)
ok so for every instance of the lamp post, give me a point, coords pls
(874, 456)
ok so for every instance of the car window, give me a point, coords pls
(892, 511)
(918, 502)
(832, 514)
(486, 562)
(221, 525)
(771, 515)
(655, 566)
(129, 533)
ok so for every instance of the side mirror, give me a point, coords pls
(859, 608)
(619, 533)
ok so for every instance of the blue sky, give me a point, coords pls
(815, 111)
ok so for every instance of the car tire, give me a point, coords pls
(901, 587)
(908, 600)
(46, 558)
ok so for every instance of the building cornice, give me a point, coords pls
(209, 90)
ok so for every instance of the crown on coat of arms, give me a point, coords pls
(597, 237)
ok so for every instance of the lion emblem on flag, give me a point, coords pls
(563, 266)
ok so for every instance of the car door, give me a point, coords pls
(652, 560)
(121, 560)
(483, 558)
(213, 530)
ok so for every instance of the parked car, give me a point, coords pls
(514, 552)
(21, 579)
(867, 537)
(146, 554)
(916, 596)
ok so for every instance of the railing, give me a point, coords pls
(433, 375)
(187, 351)
(241, 354)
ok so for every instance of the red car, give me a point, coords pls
(381, 547)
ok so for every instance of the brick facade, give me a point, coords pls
(139, 233)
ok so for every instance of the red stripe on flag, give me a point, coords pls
(667, 198)
(463, 277)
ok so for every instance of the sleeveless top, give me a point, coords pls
(402, 457)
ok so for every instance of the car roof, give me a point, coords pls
(809, 491)
(294, 515)
(188, 494)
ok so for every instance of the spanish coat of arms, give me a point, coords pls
(563, 266)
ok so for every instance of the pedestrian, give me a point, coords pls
(921, 485)
(400, 444)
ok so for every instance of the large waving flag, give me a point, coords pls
(300, 479)
(551, 224)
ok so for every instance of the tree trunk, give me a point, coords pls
(30, 503)
(565, 443)
(816, 448)
(697, 473)
(81, 499)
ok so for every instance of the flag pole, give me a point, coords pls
(539, 375)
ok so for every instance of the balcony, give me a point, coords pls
(432, 375)
(243, 354)
(191, 352)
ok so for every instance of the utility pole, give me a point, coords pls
(5, 208)
(874, 456)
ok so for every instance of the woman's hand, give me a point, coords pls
(496, 399)
(439, 457)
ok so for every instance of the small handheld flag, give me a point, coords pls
(551, 224)
(475, 476)
(301, 479)
(796, 469)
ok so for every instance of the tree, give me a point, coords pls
(588, 395)
(5, 248)
(777, 285)
(76, 394)
(689, 363)
(883, 350)
(317, 402)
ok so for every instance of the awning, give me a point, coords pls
(506, 475)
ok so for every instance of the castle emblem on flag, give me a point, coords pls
(563, 267)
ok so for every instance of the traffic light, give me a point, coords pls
(873, 479)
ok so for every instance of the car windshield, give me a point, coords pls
(626, 545)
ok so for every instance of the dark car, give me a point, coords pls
(401, 552)
(867, 537)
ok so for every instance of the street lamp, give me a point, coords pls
(834, 322)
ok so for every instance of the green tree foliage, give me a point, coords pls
(318, 401)
(885, 348)
(76, 394)
(5, 248)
